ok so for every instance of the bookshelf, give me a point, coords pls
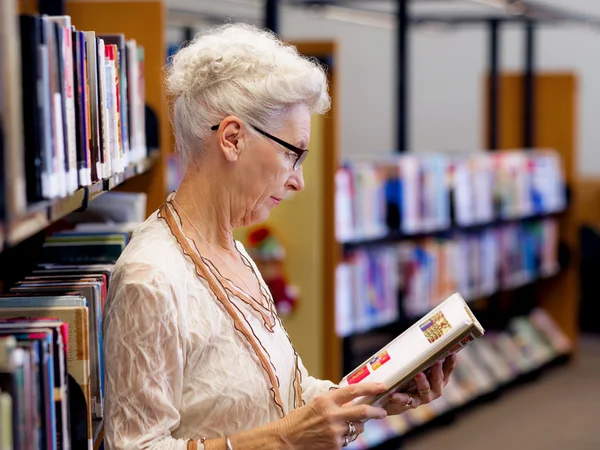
(26, 225)
(143, 21)
(42, 215)
(556, 97)
(398, 236)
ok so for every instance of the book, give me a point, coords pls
(30, 27)
(92, 292)
(92, 85)
(67, 79)
(427, 192)
(78, 345)
(45, 378)
(445, 330)
(487, 363)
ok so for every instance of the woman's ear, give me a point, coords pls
(232, 137)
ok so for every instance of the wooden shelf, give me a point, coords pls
(43, 214)
(396, 236)
(98, 433)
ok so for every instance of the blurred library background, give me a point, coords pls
(461, 154)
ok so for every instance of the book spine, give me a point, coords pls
(30, 38)
(59, 173)
(79, 111)
(105, 136)
(142, 101)
(46, 122)
(92, 86)
(124, 105)
(113, 110)
(87, 119)
(69, 106)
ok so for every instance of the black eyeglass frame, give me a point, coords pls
(301, 153)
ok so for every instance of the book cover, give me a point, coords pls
(78, 356)
(92, 299)
(446, 329)
(53, 386)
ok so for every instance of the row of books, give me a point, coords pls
(59, 307)
(490, 363)
(53, 361)
(72, 107)
(370, 281)
(421, 193)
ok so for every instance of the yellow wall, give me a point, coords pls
(297, 222)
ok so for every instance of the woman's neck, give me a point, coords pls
(208, 208)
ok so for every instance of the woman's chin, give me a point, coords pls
(258, 217)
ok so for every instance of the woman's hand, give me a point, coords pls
(428, 388)
(324, 423)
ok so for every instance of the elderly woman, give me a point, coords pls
(195, 354)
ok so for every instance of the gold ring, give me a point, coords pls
(425, 392)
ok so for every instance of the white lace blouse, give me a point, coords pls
(186, 353)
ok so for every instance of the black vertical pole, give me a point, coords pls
(272, 15)
(403, 65)
(51, 7)
(529, 87)
(494, 85)
(188, 35)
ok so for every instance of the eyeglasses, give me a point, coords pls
(301, 154)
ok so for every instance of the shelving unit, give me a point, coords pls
(399, 236)
(22, 235)
(45, 214)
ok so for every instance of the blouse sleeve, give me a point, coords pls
(143, 359)
(312, 387)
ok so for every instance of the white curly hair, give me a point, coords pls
(237, 69)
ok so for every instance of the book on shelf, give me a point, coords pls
(425, 193)
(445, 330)
(81, 116)
(367, 290)
(372, 282)
(64, 298)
